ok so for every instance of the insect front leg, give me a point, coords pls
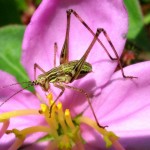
(87, 97)
(60, 86)
(35, 67)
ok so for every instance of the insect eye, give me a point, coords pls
(42, 81)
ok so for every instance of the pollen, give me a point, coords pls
(49, 96)
(67, 112)
(59, 105)
(43, 107)
(69, 119)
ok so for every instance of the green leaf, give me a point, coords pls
(9, 12)
(137, 33)
(38, 2)
(21, 5)
(147, 19)
(10, 51)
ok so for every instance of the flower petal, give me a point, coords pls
(124, 105)
(23, 100)
(48, 25)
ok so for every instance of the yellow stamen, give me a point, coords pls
(69, 119)
(23, 133)
(65, 143)
(50, 120)
(16, 113)
(50, 100)
(64, 130)
(59, 105)
(106, 134)
(49, 96)
(43, 107)
(108, 138)
(61, 117)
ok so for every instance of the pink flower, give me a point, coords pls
(122, 104)
(48, 25)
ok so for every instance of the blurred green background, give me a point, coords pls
(16, 14)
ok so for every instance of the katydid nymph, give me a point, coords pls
(68, 71)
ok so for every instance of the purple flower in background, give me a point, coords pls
(122, 104)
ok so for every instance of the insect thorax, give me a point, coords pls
(63, 73)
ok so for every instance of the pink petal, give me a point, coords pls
(48, 26)
(124, 105)
(23, 100)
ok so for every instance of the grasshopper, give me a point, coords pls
(68, 71)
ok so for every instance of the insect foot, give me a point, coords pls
(131, 77)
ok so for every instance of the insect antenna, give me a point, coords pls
(20, 83)
(30, 83)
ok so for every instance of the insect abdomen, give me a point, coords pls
(64, 72)
(86, 68)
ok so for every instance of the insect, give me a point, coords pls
(68, 71)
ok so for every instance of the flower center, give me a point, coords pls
(63, 131)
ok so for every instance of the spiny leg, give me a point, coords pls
(77, 68)
(108, 39)
(114, 50)
(64, 56)
(60, 94)
(35, 67)
(90, 104)
(55, 51)
(91, 31)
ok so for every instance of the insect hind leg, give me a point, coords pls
(117, 56)
(71, 11)
(55, 51)
(64, 56)
(88, 99)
